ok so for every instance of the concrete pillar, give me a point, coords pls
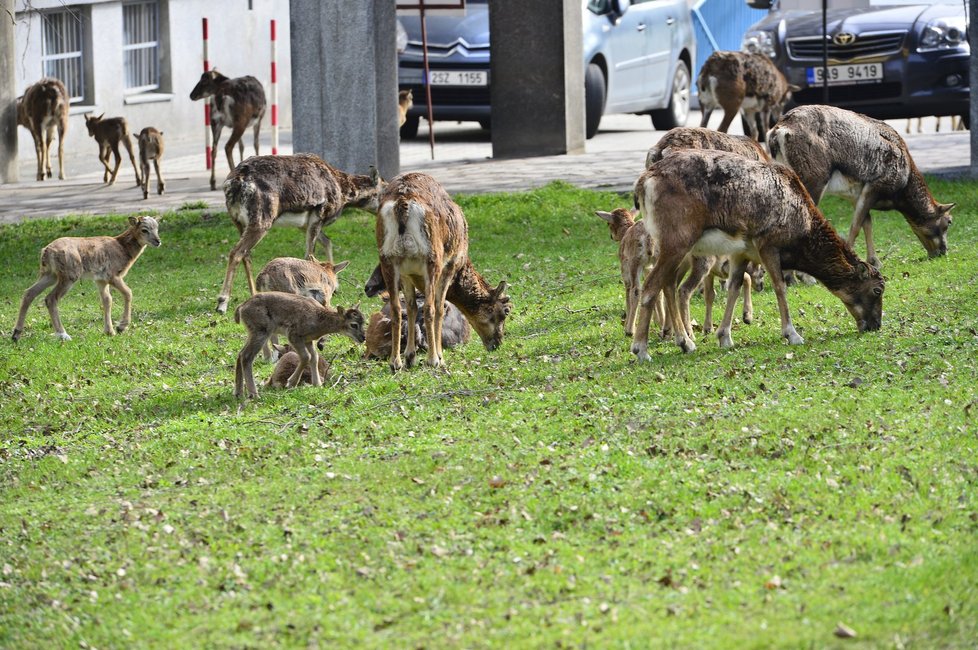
(344, 83)
(537, 77)
(8, 95)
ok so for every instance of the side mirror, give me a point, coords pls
(759, 4)
(619, 7)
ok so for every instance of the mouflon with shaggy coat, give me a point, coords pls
(835, 151)
(42, 109)
(718, 203)
(741, 82)
(301, 191)
(234, 103)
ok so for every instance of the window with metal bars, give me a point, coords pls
(141, 45)
(62, 50)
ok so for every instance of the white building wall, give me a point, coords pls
(239, 44)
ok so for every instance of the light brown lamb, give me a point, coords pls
(835, 151)
(103, 259)
(42, 109)
(302, 191)
(288, 361)
(717, 203)
(310, 278)
(301, 321)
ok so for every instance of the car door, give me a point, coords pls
(661, 20)
(626, 38)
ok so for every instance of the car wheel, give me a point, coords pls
(677, 111)
(966, 120)
(594, 95)
(409, 129)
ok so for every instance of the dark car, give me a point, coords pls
(637, 59)
(884, 61)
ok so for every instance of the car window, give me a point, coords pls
(598, 6)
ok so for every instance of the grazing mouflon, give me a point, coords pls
(835, 151)
(717, 203)
(422, 237)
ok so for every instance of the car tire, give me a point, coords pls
(486, 124)
(676, 113)
(409, 130)
(594, 96)
(966, 120)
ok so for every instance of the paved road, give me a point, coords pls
(462, 162)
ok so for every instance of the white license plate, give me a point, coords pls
(855, 73)
(459, 77)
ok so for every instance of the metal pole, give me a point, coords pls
(207, 105)
(274, 96)
(825, 53)
(973, 74)
(427, 81)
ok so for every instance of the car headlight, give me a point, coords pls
(944, 33)
(758, 43)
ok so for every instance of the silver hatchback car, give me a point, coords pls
(638, 57)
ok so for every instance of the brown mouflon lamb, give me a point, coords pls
(103, 259)
(108, 133)
(288, 361)
(310, 278)
(150, 144)
(455, 330)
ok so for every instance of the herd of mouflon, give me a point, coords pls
(708, 206)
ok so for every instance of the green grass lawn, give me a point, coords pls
(553, 493)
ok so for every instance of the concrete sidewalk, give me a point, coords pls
(463, 164)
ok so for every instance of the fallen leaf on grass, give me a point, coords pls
(844, 631)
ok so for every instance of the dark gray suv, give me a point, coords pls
(638, 57)
(884, 61)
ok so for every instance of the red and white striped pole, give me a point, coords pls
(207, 105)
(274, 97)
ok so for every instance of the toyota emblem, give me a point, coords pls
(844, 38)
